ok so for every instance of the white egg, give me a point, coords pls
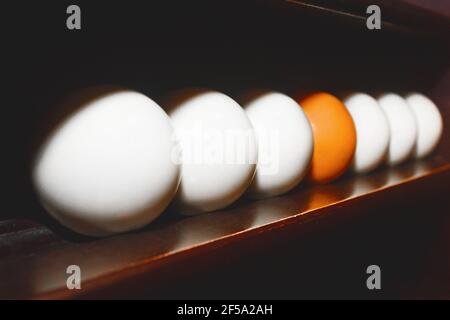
(429, 123)
(372, 131)
(285, 142)
(219, 150)
(108, 167)
(402, 125)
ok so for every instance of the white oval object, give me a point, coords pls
(285, 142)
(429, 123)
(372, 131)
(402, 125)
(219, 150)
(108, 168)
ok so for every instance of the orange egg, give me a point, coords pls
(334, 136)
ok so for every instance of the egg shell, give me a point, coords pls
(107, 166)
(285, 142)
(402, 125)
(219, 149)
(334, 136)
(429, 123)
(372, 131)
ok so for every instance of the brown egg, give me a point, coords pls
(334, 136)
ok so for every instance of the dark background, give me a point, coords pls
(438, 6)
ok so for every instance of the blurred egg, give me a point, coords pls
(219, 150)
(402, 125)
(285, 142)
(429, 123)
(372, 131)
(334, 135)
(107, 166)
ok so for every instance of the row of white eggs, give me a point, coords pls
(118, 159)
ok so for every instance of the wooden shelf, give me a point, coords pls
(34, 256)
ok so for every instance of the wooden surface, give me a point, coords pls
(34, 256)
